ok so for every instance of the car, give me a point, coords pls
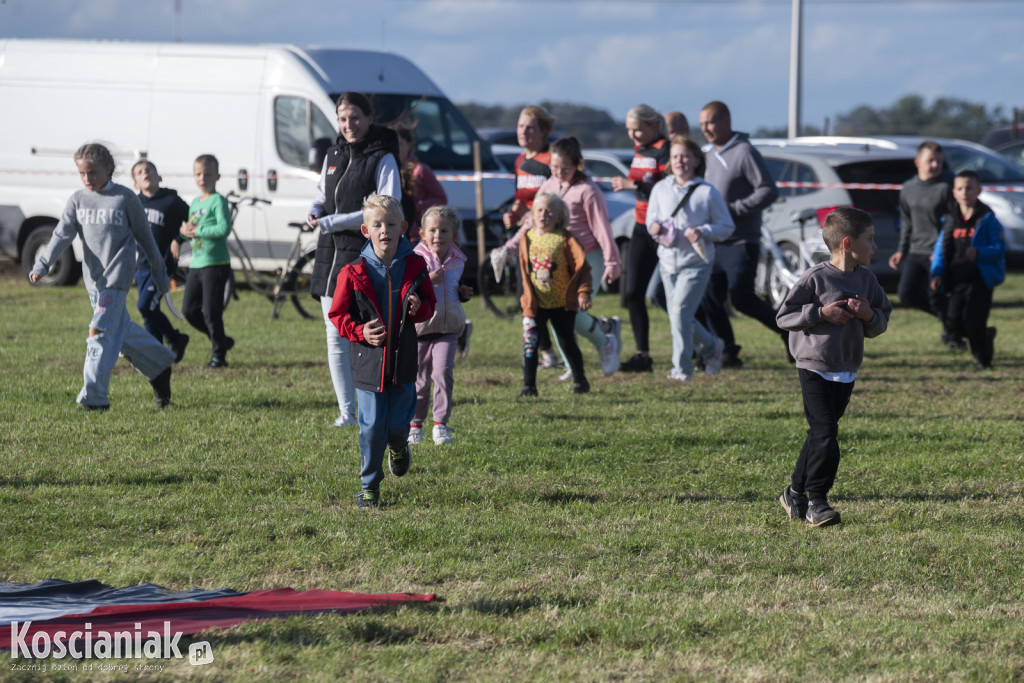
(816, 175)
(1008, 142)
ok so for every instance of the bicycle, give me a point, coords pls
(779, 268)
(497, 276)
(289, 282)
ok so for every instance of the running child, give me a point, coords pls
(207, 229)
(438, 337)
(376, 299)
(110, 220)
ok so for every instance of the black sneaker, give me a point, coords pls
(87, 407)
(581, 387)
(528, 391)
(794, 503)
(638, 363)
(368, 499)
(162, 388)
(821, 514)
(399, 461)
(217, 363)
(178, 347)
(229, 343)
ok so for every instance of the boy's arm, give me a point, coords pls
(995, 250)
(801, 310)
(882, 308)
(339, 314)
(218, 226)
(906, 228)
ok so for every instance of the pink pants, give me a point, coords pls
(437, 364)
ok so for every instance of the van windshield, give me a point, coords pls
(444, 138)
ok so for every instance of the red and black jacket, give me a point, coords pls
(355, 304)
(531, 174)
(648, 167)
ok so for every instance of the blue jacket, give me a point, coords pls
(988, 240)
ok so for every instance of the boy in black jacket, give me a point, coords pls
(166, 211)
(376, 301)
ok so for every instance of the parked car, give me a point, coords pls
(1008, 142)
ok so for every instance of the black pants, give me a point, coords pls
(537, 336)
(640, 265)
(203, 304)
(967, 316)
(824, 403)
(914, 290)
(732, 278)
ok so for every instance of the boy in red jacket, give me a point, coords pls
(376, 301)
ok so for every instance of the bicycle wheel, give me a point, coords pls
(296, 285)
(175, 298)
(489, 286)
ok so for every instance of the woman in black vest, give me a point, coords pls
(363, 162)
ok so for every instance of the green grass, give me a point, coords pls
(633, 533)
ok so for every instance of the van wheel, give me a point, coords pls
(65, 270)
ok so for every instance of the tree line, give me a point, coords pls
(946, 117)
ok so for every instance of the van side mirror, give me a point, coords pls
(317, 153)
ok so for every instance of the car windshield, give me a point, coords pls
(444, 138)
(990, 167)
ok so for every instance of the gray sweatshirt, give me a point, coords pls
(740, 175)
(817, 344)
(110, 222)
(923, 203)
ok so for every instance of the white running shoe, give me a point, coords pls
(565, 376)
(713, 364)
(346, 421)
(442, 435)
(680, 376)
(415, 435)
(549, 360)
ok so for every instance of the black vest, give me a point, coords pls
(353, 179)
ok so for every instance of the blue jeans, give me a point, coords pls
(153, 319)
(117, 335)
(339, 364)
(383, 420)
(684, 291)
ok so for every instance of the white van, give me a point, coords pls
(265, 111)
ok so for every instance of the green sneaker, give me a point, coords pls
(399, 461)
(368, 499)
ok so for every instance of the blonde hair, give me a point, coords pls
(545, 121)
(646, 114)
(446, 215)
(557, 206)
(96, 152)
(385, 203)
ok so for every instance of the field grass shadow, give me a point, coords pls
(509, 607)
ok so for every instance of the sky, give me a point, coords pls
(612, 54)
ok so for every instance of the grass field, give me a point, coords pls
(630, 534)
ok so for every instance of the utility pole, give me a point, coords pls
(795, 39)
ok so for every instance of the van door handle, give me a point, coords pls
(243, 179)
(272, 180)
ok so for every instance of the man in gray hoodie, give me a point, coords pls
(737, 171)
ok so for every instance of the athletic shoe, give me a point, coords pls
(713, 363)
(581, 387)
(415, 435)
(346, 421)
(442, 435)
(368, 499)
(549, 360)
(162, 388)
(795, 504)
(89, 408)
(229, 343)
(954, 342)
(821, 514)
(638, 363)
(609, 355)
(178, 347)
(565, 376)
(398, 462)
(680, 376)
(217, 363)
(731, 361)
(528, 391)
(462, 344)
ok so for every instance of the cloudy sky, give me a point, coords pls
(612, 54)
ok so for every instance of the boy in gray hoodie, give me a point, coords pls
(111, 221)
(829, 312)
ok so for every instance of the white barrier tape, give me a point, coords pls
(885, 186)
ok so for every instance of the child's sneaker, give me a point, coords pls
(565, 376)
(713, 363)
(368, 499)
(462, 343)
(638, 363)
(399, 461)
(346, 420)
(549, 360)
(581, 387)
(178, 347)
(217, 363)
(162, 388)
(680, 376)
(442, 435)
(415, 435)
(528, 391)
(794, 503)
(821, 514)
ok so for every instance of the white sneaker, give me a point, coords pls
(442, 435)
(680, 376)
(565, 376)
(549, 360)
(415, 435)
(713, 364)
(609, 357)
(346, 421)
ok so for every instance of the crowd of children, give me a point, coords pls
(396, 309)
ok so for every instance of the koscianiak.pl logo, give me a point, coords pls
(86, 645)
